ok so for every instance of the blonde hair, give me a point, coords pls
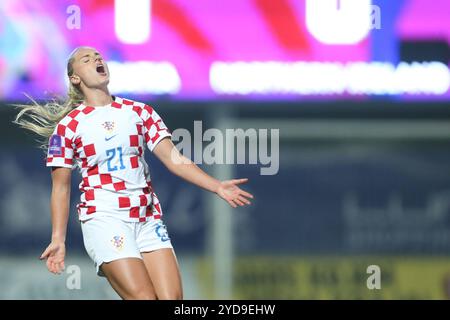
(42, 119)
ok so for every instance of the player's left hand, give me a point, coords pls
(54, 254)
(231, 193)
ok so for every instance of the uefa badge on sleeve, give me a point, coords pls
(54, 145)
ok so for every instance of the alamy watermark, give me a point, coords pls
(73, 281)
(229, 146)
(375, 17)
(374, 280)
(73, 21)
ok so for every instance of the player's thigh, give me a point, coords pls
(129, 278)
(162, 267)
(111, 244)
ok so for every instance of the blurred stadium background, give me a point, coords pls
(358, 89)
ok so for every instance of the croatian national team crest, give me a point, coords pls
(117, 242)
(108, 126)
(54, 145)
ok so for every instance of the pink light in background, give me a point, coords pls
(422, 19)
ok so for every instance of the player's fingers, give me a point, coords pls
(49, 265)
(239, 202)
(244, 200)
(245, 194)
(45, 254)
(239, 181)
(54, 267)
(59, 267)
(231, 203)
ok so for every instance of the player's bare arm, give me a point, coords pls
(59, 203)
(188, 170)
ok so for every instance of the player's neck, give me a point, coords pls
(98, 98)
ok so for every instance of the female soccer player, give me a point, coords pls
(105, 137)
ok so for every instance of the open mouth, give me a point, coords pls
(101, 69)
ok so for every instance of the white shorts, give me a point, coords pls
(107, 238)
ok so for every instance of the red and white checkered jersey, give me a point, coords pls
(107, 145)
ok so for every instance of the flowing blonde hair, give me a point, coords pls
(42, 119)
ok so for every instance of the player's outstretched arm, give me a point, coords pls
(189, 171)
(59, 203)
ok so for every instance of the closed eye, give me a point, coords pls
(87, 57)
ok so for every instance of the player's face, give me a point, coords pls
(89, 69)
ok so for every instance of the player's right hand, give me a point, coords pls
(55, 254)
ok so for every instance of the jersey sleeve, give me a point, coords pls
(60, 152)
(154, 127)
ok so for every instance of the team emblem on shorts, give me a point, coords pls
(117, 242)
(162, 233)
(108, 126)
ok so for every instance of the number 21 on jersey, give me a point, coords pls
(111, 154)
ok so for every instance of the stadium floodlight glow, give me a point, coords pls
(329, 78)
(132, 20)
(347, 22)
(144, 77)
